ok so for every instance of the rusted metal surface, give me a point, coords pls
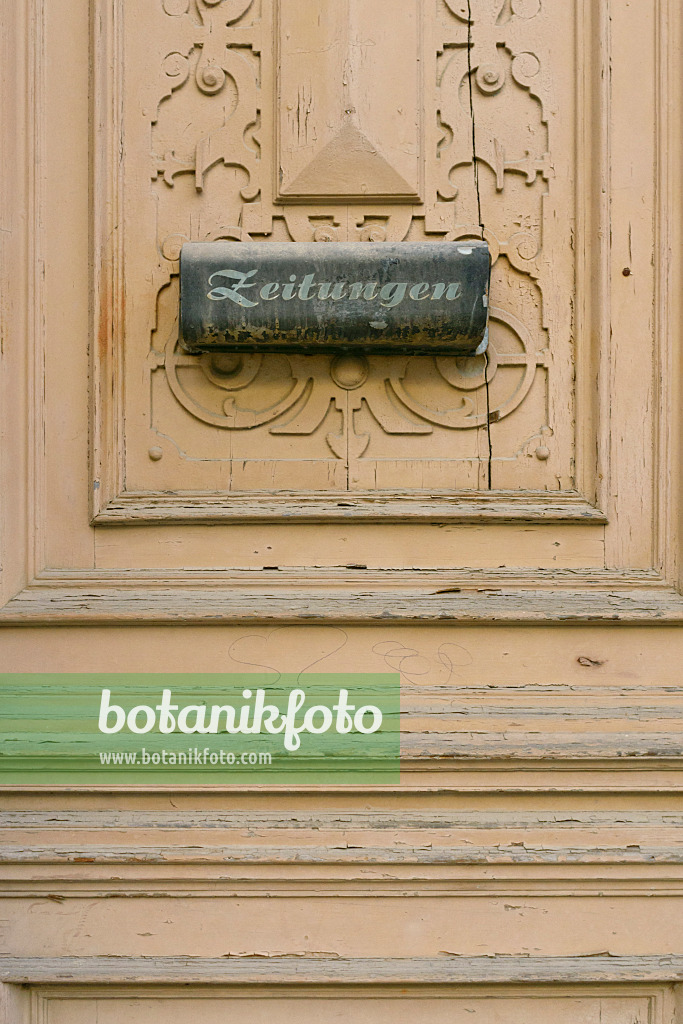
(402, 297)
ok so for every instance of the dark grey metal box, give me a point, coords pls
(417, 297)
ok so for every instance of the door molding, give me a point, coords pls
(449, 969)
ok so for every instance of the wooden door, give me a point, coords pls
(502, 531)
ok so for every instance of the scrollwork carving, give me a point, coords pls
(378, 382)
(213, 153)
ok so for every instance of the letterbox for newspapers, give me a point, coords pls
(408, 297)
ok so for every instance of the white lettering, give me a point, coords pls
(376, 719)
(216, 711)
(295, 703)
(329, 291)
(366, 291)
(419, 291)
(306, 288)
(240, 279)
(199, 712)
(254, 716)
(270, 291)
(244, 713)
(289, 289)
(166, 719)
(344, 709)
(393, 294)
(106, 710)
(261, 709)
(326, 723)
(132, 719)
(450, 291)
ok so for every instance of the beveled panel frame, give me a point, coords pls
(655, 1003)
(29, 985)
(114, 504)
(609, 975)
(284, 852)
(649, 979)
(52, 577)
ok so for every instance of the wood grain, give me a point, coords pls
(298, 970)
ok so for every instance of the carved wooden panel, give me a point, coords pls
(90, 213)
(377, 1006)
(278, 120)
(349, 126)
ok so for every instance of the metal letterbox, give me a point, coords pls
(416, 297)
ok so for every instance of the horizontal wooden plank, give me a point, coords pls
(261, 969)
(93, 604)
(292, 837)
(536, 746)
(356, 577)
(501, 507)
(476, 742)
(335, 820)
(55, 884)
(351, 854)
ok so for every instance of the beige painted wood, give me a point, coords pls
(377, 132)
(70, 973)
(412, 926)
(71, 1001)
(642, 518)
(341, 134)
(158, 515)
(209, 1008)
(421, 547)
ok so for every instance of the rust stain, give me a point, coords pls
(104, 315)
